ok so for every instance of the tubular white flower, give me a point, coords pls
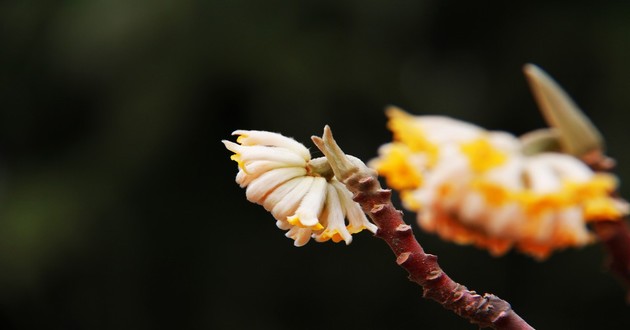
(261, 186)
(291, 200)
(356, 217)
(480, 188)
(310, 206)
(333, 218)
(264, 138)
(301, 193)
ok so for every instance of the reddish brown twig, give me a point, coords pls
(615, 237)
(486, 311)
(614, 234)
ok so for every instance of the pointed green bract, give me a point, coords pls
(578, 135)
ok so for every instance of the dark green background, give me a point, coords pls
(118, 207)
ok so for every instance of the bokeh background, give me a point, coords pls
(118, 207)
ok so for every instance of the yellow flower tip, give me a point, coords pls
(241, 138)
(353, 230)
(336, 237)
(495, 195)
(296, 221)
(599, 184)
(393, 111)
(398, 171)
(408, 130)
(602, 208)
(536, 205)
(237, 159)
(482, 155)
(595, 196)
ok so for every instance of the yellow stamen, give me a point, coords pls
(240, 138)
(537, 204)
(408, 131)
(594, 195)
(494, 194)
(397, 170)
(482, 155)
(295, 221)
(602, 208)
(237, 158)
(353, 230)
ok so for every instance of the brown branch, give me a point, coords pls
(614, 234)
(486, 311)
(615, 237)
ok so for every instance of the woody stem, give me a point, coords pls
(486, 311)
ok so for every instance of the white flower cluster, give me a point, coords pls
(279, 174)
(473, 186)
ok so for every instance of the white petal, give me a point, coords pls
(283, 224)
(290, 203)
(540, 176)
(258, 189)
(281, 192)
(271, 139)
(426, 220)
(257, 167)
(333, 218)
(545, 226)
(243, 179)
(440, 129)
(570, 221)
(509, 175)
(356, 217)
(568, 167)
(301, 236)
(504, 141)
(254, 169)
(501, 218)
(311, 205)
(275, 154)
(472, 209)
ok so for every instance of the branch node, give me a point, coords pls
(457, 296)
(432, 258)
(434, 274)
(366, 180)
(385, 194)
(403, 228)
(377, 208)
(402, 258)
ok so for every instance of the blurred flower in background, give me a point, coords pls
(474, 186)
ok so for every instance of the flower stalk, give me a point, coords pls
(615, 237)
(487, 311)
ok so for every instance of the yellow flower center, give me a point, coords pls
(482, 155)
(408, 131)
(398, 170)
(493, 193)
